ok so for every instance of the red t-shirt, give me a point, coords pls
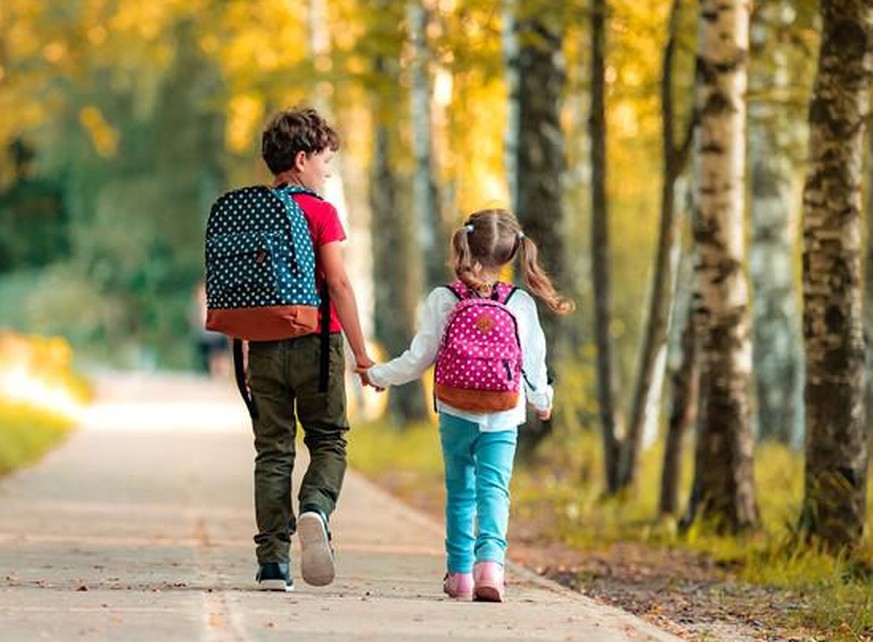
(324, 227)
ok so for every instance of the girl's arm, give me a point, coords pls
(422, 351)
(536, 380)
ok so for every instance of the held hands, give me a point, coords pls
(362, 364)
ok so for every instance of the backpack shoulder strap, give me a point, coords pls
(503, 292)
(458, 289)
(296, 189)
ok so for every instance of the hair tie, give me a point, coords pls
(520, 235)
(469, 228)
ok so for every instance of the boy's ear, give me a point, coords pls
(300, 160)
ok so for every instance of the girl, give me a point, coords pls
(479, 445)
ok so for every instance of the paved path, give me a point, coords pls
(139, 528)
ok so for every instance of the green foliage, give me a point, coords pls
(26, 433)
(376, 447)
(33, 217)
(136, 147)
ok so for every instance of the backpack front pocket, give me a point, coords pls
(247, 270)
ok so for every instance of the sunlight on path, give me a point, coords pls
(170, 402)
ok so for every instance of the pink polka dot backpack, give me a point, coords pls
(478, 363)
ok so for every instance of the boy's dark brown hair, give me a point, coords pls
(293, 131)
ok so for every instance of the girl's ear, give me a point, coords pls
(300, 161)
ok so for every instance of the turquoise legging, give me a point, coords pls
(478, 469)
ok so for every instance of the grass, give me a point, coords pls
(564, 482)
(27, 433)
(39, 393)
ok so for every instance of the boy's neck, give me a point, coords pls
(288, 178)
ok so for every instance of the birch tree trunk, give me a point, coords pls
(509, 43)
(778, 363)
(359, 252)
(834, 505)
(600, 250)
(432, 236)
(317, 23)
(684, 374)
(541, 162)
(685, 382)
(397, 262)
(868, 294)
(661, 296)
(725, 477)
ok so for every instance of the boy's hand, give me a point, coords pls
(362, 365)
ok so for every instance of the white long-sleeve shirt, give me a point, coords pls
(422, 352)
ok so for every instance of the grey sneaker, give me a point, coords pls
(274, 576)
(317, 560)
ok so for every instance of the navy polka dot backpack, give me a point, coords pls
(260, 266)
(260, 270)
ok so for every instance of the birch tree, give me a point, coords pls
(540, 160)
(600, 249)
(684, 381)
(834, 505)
(359, 252)
(426, 200)
(396, 266)
(658, 313)
(725, 485)
(773, 137)
(868, 295)
(509, 47)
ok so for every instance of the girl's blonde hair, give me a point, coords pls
(492, 238)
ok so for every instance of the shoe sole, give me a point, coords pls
(316, 561)
(487, 594)
(275, 585)
(458, 595)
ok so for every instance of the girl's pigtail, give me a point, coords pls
(464, 264)
(538, 282)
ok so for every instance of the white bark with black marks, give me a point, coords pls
(541, 166)
(725, 492)
(834, 507)
(509, 42)
(424, 190)
(773, 139)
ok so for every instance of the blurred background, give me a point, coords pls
(123, 120)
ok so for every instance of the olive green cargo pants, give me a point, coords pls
(283, 377)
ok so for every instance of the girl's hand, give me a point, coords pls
(361, 370)
(544, 415)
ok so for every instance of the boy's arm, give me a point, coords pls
(343, 298)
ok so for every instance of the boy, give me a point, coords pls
(283, 376)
